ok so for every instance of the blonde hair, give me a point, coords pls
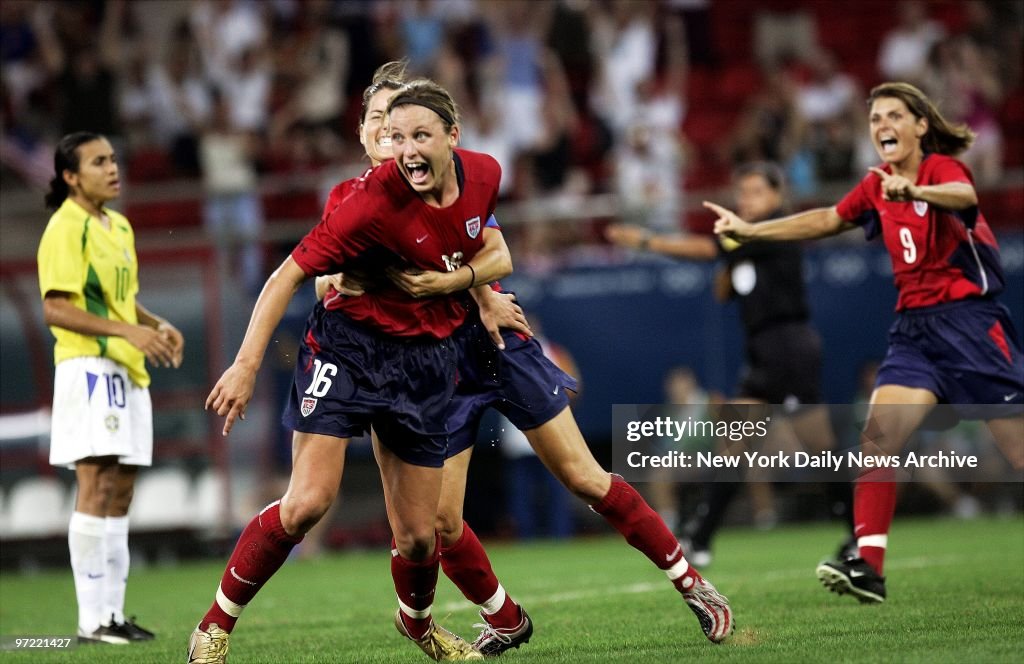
(942, 136)
(389, 76)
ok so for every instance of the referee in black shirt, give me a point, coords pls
(783, 350)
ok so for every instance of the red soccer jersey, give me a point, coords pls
(378, 220)
(937, 255)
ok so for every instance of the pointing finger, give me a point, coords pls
(717, 209)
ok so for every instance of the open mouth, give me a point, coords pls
(384, 142)
(889, 145)
(418, 171)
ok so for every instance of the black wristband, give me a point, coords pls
(472, 281)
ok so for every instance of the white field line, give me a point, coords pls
(723, 580)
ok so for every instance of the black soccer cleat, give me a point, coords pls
(848, 549)
(854, 577)
(493, 640)
(133, 631)
(103, 634)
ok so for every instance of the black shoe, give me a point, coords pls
(853, 576)
(493, 640)
(132, 630)
(848, 549)
(103, 634)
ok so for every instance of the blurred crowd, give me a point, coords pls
(638, 99)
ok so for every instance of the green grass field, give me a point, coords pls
(956, 593)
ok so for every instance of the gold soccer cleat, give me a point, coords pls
(209, 647)
(439, 644)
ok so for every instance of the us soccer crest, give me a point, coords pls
(308, 404)
(921, 208)
(473, 227)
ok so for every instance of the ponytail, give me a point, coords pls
(65, 158)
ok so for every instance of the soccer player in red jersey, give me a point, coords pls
(952, 341)
(523, 390)
(383, 360)
(527, 388)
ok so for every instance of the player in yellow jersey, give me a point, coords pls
(102, 417)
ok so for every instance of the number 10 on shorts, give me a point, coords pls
(116, 395)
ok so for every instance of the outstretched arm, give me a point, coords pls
(232, 393)
(946, 195)
(693, 247)
(817, 223)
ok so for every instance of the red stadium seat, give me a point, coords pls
(738, 83)
(165, 214)
(150, 165)
(707, 127)
(292, 205)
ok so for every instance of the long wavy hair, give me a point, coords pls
(942, 136)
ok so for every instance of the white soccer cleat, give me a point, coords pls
(712, 610)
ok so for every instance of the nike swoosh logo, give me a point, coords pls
(95, 576)
(556, 390)
(677, 550)
(1009, 397)
(235, 574)
(419, 240)
(856, 574)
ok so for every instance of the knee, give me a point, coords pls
(121, 500)
(302, 509)
(96, 497)
(588, 482)
(416, 545)
(449, 528)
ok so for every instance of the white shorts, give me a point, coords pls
(98, 411)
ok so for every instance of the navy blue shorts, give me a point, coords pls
(349, 378)
(520, 382)
(967, 353)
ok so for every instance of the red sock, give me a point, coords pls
(466, 564)
(630, 514)
(415, 584)
(261, 550)
(874, 502)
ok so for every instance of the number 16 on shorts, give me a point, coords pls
(323, 372)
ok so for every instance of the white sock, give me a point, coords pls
(494, 604)
(85, 542)
(116, 579)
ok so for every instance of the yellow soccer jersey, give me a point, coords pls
(98, 267)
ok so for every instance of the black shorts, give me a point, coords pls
(783, 365)
(349, 378)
